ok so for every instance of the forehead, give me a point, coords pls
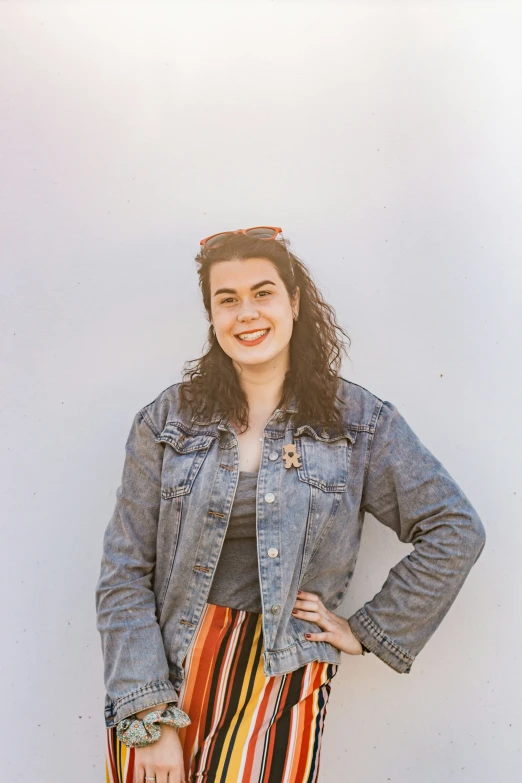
(242, 274)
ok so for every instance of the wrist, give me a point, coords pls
(138, 732)
(363, 647)
(141, 714)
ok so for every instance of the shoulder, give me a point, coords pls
(163, 408)
(360, 406)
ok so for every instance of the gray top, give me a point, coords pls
(236, 579)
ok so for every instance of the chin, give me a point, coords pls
(253, 361)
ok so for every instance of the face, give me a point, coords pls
(251, 311)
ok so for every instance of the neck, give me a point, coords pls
(263, 385)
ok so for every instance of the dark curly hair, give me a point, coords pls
(212, 385)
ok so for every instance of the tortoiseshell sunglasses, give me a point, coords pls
(260, 232)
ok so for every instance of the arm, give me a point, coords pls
(135, 664)
(408, 490)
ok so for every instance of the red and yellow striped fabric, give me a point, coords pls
(246, 727)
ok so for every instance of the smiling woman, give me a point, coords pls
(236, 532)
(248, 285)
(258, 311)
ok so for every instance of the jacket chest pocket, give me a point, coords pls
(183, 459)
(325, 462)
(325, 467)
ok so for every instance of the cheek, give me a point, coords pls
(284, 329)
(281, 315)
(286, 320)
(222, 324)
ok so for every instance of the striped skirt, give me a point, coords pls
(246, 727)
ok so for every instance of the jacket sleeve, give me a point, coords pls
(407, 489)
(135, 664)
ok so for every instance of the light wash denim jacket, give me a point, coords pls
(163, 542)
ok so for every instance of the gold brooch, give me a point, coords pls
(291, 456)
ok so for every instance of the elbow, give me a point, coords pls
(468, 541)
(479, 537)
(471, 538)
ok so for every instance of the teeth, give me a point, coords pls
(252, 335)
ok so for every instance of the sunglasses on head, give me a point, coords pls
(259, 232)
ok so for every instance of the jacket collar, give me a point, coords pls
(217, 417)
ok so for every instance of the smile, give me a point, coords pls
(253, 338)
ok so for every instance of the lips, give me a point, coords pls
(253, 342)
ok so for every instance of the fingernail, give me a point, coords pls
(294, 611)
(299, 592)
(308, 635)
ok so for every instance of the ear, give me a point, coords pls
(296, 299)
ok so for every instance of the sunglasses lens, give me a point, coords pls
(215, 240)
(261, 232)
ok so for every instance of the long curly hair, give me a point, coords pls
(210, 384)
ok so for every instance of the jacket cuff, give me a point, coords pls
(380, 645)
(159, 692)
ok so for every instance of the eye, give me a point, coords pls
(265, 292)
(224, 301)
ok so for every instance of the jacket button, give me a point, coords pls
(273, 455)
(269, 497)
(273, 552)
(275, 609)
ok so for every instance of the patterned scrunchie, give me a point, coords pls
(137, 733)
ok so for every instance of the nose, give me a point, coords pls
(247, 312)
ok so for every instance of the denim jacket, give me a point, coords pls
(163, 542)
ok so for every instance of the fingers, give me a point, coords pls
(308, 601)
(159, 776)
(318, 637)
(307, 606)
(308, 596)
(311, 617)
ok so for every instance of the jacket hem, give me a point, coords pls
(159, 692)
(371, 636)
(294, 656)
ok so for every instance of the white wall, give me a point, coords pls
(385, 139)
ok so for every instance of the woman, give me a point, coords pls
(236, 532)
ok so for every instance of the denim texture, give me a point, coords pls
(163, 541)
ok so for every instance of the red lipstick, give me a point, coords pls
(252, 342)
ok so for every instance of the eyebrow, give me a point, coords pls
(252, 288)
